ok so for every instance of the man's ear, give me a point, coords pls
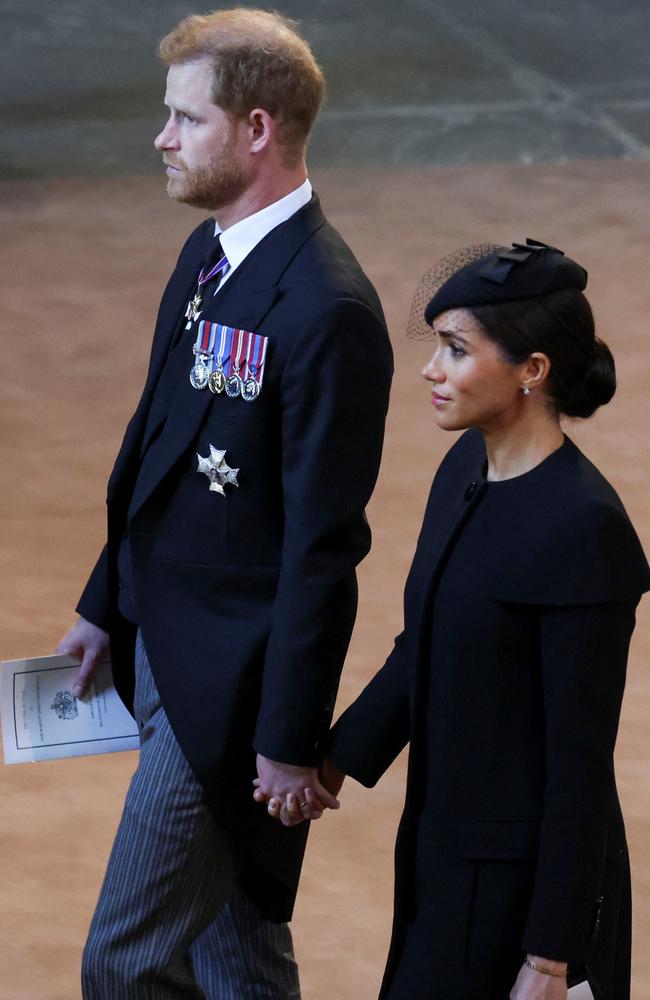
(260, 128)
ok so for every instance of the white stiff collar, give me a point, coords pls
(239, 239)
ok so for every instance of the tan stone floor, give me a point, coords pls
(83, 263)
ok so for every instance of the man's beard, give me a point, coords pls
(219, 183)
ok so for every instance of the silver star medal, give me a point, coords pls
(217, 470)
(193, 310)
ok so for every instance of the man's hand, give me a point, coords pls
(291, 811)
(532, 985)
(292, 793)
(91, 645)
(294, 809)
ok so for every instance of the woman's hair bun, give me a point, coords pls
(595, 388)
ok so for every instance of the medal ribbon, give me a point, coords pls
(205, 338)
(241, 337)
(236, 349)
(193, 310)
(258, 374)
(220, 266)
(249, 337)
(247, 369)
(255, 365)
(225, 341)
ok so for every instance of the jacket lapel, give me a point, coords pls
(453, 497)
(450, 504)
(246, 298)
(172, 308)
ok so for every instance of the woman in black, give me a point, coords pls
(512, 875)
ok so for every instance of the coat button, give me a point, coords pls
(471, 490)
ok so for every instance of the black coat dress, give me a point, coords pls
(507, 680)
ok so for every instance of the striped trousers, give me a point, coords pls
(170, 922)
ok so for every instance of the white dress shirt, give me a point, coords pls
(239, 239)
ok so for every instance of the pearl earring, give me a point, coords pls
(525, 390)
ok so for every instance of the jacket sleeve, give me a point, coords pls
(584, 654)
(334, 400)
(377, 726)
(93, 604)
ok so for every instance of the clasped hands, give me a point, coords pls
(294, 794)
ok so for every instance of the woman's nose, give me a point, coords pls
(432, 371)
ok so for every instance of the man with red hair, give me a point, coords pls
(227, 587)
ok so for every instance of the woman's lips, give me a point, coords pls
(438, 400)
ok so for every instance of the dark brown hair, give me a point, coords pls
(560, 325)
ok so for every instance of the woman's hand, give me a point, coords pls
(292, 808)
(533, 985)
(291, 811)
(330, 776)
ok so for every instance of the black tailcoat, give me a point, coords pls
(246, 602)
(530, 677)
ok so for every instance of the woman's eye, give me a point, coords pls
(457, 352)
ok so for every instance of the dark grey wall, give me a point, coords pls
(410, 81)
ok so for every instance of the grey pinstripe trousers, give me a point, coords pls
(170, 922)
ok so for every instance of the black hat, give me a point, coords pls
(522, 272)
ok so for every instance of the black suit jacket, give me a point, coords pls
(246, 602)
(546, 651)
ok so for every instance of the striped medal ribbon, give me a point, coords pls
(203, 352)
(217, 380)
(255, 367)
(234, 382)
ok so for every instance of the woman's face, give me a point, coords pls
(472, 384)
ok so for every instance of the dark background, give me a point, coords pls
(410, 82)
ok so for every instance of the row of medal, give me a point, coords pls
(228, 360)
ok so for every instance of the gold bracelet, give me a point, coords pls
(544, 969)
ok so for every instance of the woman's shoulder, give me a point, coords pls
(586, 481)
(578, 543)
(576, 499)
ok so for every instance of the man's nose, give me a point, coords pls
(167, 139)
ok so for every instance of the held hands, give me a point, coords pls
(91, 645)
(294, 794)
(533, 985)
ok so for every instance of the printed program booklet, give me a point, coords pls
(42, 719)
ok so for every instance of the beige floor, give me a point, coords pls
(82, 268)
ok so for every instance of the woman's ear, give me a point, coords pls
(535, 371)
